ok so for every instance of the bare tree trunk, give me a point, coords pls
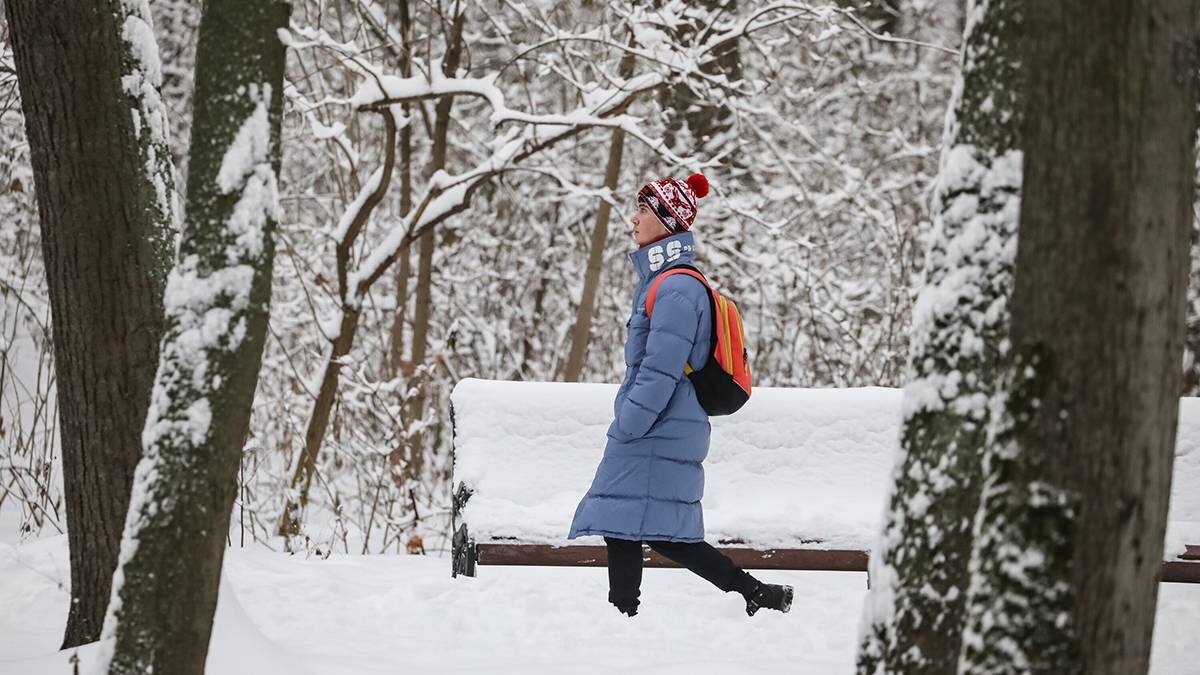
(396, 363)
(396, 342)
(529, 346)
(914, 610)
(1075, 500)
(318, 421)
(425, 246)
(105, 191)
(582, 331)
(581, 334)
(217, 301)
(427, 242)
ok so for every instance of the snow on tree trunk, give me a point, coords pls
(142, 83)
(912, 617)
(106, 196)
(217, 297)
(1074, 505)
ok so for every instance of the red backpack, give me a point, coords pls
(723, 384)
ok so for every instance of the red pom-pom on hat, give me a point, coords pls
(698, 183)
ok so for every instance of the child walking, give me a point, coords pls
(648, 485)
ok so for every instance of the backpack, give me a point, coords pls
(723, 384)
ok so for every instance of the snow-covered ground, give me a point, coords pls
(388, 614)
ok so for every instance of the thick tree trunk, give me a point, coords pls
(1075, 501)
(913, 616)
(105, 195)
(217, 299)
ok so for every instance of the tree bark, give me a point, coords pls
(426, 245)
(217, 300)
(396, 364)
(1075, 500)
(105, 192)
(914, 608)
(582, 332)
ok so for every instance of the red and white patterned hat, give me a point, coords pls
(673, 201)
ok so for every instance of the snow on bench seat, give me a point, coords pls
(794, 469)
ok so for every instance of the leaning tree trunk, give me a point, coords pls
(1070, 531)
(913, 614)
(581, 333)
(217, 298)
(105, 190)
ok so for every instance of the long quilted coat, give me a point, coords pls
(649, 484)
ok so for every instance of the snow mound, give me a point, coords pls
(796, 468)
(36, 578)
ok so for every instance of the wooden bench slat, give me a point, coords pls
(597, 556)
(1184, 570)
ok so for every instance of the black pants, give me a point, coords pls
(625, 567)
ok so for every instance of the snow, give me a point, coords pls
(34, 582)
(246, 166)
(142, 82)
(1183, 522)
(352, 615)
(355, 207)
(796, 467)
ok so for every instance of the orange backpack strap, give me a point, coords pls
(653, 292)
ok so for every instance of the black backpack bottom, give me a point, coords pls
(716, 389)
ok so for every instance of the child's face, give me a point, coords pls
(646, 226)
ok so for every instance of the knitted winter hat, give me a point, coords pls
(673, 201)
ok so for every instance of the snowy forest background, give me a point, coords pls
(452, 203)
(822, 159)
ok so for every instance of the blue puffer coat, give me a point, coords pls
(649, 483)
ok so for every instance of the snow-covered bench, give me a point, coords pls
(795, 480)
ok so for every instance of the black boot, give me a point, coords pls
(629, 610)
(765, 596)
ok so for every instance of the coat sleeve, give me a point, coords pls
(672, 334)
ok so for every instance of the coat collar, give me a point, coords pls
(677, 249)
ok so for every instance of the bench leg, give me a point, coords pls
(464, 556)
